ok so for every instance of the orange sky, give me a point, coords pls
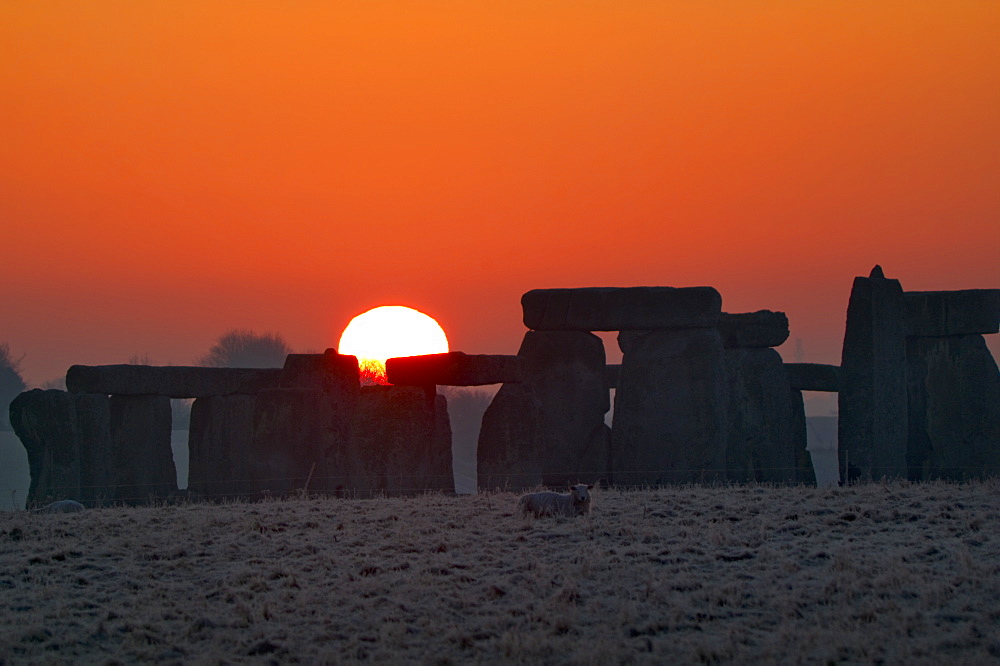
(173, 169)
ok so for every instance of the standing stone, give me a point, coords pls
(219, 441)
(805, 471)
(45, 422)
(67, 438)
(873, 396)
(550, 428)
(767, 436)
(301, 433)
(567, 371)
(954, 408)
(97, 462)
(671, 408)
(286, 448)
(511, 440)
(140, 446)
(338, 377)
(401, 442)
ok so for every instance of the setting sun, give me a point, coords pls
(388, 332)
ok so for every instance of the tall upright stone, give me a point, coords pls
(954, 408)
(287, 444)
(805, 471)
(140, 447)
(302, 432)
(401, 442)
(45, 422)
(765, 443)
(93, 432)
(219, 442)
(671, 408)
(511, 440)
(567, 371)
(549, 429)
(873, 392)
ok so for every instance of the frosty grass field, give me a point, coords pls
(897, 573)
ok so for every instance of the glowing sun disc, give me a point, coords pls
(389, 331)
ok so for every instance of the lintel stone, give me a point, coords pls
(621, 308)
(960, 312)
(454, 369)
(763, 328)
(171, 381)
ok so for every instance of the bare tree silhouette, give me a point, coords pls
(242, 348)
(11, 383)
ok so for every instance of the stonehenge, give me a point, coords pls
(701, 396)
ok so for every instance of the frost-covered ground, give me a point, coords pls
(897, 573)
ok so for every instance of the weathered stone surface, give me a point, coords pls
(627, 341)
(218, 444)
(620, 309)
(97, 461)
(511, 440)
(566, 370)
(767, 437)
(813, 377)
(961, 312)
(763, 328)
(67, 439)
(143, 466)
(454, 369)
(401, 442)
(954, 408)
(329, 372)
(549, 429)
(872, 398)
(301, 433)
(291, 444)
(45, 422)
(671, 409)
(170, 381)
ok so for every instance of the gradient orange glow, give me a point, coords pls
(174, 169)
(390, 331)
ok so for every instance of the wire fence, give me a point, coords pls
(365, 486)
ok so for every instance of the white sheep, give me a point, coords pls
(62, 506)
(576, 503)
